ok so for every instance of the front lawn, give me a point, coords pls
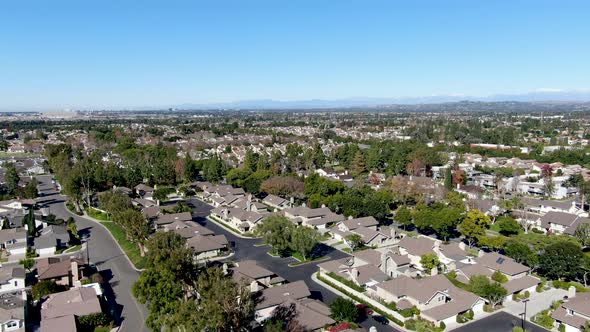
(130, 248)
(97, 214)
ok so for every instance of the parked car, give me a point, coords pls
(381, 320)
(364, 310)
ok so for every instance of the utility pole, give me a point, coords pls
(524, 314)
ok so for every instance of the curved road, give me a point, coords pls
(108, 258)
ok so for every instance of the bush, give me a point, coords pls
(499, 277)
(422, 325)
(540, 287)
(442, 326)
(46, 287)
(544, 319)
(561, 328)
(346, 282)
(465, 317)
(409, 312)
(538, 231)
(89, 322)
(344, 310)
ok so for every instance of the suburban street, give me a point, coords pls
(107, 257)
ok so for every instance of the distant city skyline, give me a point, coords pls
(112, 55)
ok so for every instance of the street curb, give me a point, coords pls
(325, 258)
(98, 222)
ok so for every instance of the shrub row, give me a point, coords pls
(357, 299)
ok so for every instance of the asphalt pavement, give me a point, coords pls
(108, 258)
(500, 322)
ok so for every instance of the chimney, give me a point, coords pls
(225, 214)
(393, 233)
(249, 198)
(571, 292)
(323, 206)
(254, 286)
(224, 267)
(458, 186)
(292, 200)
(303, 204)
(461, 245)
(75, 272)
(350, 218)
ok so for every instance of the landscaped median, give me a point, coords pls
(361, 298)
(130, 248)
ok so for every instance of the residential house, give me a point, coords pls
(317, 218)
(59, 310)
(144, 191)
(165, 219)
(14, 241)
(272, 297)
(67, 271)
(12, 278)
(206, 247)
(436, 297)
(277, 202)
(255, 275)
(12, 312)
(242, 220)
(52, 238)
(574, 313)
(561, 222)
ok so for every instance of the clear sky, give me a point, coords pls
(84, 53)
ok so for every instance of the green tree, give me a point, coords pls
(276, 231)
(159, 290)
(429, 262)
(72, 227)
(508, 226)
(582, 233)
(518, 251)
(225, 305)
(354, 241)
(11, 179)
(319, 159)
(168, 251)
(448, 179)
(493, 292)
(30, 190)
(499, 277)
(344, 310)
(474, 226)
(561, 260)
(303, 240)
(27, 263)
(46, 287)
(494, 243)
(358, 166)
(403, 216)
(136, 227)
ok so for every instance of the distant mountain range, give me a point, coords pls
(543, 95)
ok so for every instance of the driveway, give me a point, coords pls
(500, 322)
(537, 303)
(107, 256)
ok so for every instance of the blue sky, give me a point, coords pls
(59, 54)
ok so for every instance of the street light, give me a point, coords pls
(524, 313)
